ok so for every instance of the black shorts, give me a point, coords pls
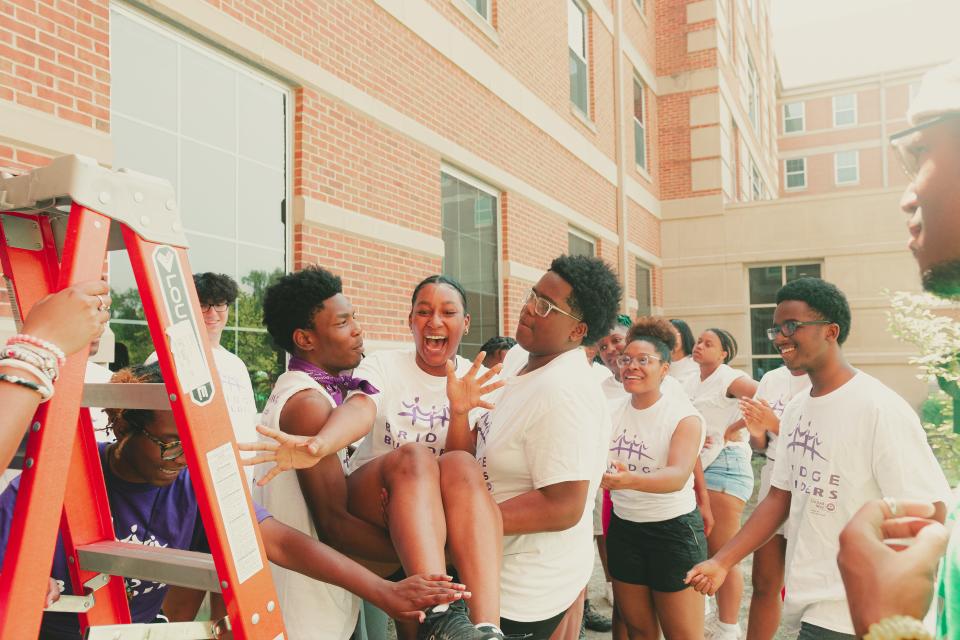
(537, 630)
(656, 554)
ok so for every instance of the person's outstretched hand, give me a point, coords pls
(405, 600)
(71, 318)
(285, 450)
(889, 553)
(706, 577)
(467, 393)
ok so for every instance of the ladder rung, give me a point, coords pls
(158, 564)
(200, 630)
(116, 395)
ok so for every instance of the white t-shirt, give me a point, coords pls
(548, 427)
(311, 609)
(777, 388)
(412, 405)
(641, 440)
(238, 394)
(836, 452)
(719, 411)
(684, 368)
(600, 372)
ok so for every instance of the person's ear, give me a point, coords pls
(579, 332)
(302, 340)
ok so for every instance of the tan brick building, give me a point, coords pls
(391, 139)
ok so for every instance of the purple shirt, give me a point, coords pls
(142, 514)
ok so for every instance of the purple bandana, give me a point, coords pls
(336, 386)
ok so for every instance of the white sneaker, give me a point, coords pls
(722, 631)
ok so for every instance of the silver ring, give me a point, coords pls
(893, 505)
(103, 306)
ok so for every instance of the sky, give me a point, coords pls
(822, 40)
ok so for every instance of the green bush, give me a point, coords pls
(936, 413)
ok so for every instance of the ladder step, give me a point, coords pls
(158, 564)
(200, 630)
(113, 395)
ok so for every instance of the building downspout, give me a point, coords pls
(623, 256)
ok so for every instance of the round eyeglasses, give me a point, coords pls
(642, 361)
(790, 327)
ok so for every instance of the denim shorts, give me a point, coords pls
(731, 472)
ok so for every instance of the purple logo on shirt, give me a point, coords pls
(807, 440)
(631, 447)
(429, 418)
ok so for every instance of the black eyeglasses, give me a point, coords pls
(220, 307)
(790, 327)
(169, 451)
(909, 154)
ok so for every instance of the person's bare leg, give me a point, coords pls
(474, 533)
(619, 631)
(765, 603)
(635, 605)
(727, 511)
(680, 614)
(413, 512)
(569, 627)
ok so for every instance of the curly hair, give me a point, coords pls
(823, 297)
(215, 288)
(440, 279)
(127, 421)
(686, 335)
(596, 292)
(656, 331)
(291, 302)
(727, 342)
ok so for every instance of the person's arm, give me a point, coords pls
(741, 387)
(181, 604)
(881, 581)
(706, 577)
(70, 319)
(465, 394)
(403, 600)
(345, 425)
(555, 507)
(681, 459)
(703, 497)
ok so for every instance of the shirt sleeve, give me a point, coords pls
(559, 444)
(371, 369)
(903, 463)
(7, 501)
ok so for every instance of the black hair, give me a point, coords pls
(656, 331)
(823, 297)
(497, 343)
(291, 302)
(686, 335)
(596, 292)
(214, 288)
(727, 342)
(125, 421)
(440, 279)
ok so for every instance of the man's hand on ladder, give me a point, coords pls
(72, 318)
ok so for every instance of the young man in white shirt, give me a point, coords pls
(848, 440)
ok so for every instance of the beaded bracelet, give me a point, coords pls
(45, 393)
(13, 363)
(38, 342)
(47, 363)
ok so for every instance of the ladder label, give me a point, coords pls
(189, 360)
(237, 519)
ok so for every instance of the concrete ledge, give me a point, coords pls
(701, 11)
(702, 40)
(523, 272)
(650, 258)
(692, 207)
(328, 216)
(48, 135)
(639, 194)
(688, 81)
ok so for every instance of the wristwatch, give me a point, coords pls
(898, 628)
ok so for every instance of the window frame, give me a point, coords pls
(756, 181)
(787, 173)
(802, 117)
(637, 266)
(753, 92)
(837, 167)
(585, 58)
(488, 18)
(641, 124)
(852, 109)
(582, 235)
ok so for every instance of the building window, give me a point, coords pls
(639, 4)
(845, 110)
(764, 284)
(470, 215)
(482, 7)
(580, 244)
(577, 44)
(217, 130)
(795, 170)
(644, 289)
(793, 114)
(753, 97)
(639, 125)
(847, 164)
(756, 182)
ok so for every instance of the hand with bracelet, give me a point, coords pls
(58, 325)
